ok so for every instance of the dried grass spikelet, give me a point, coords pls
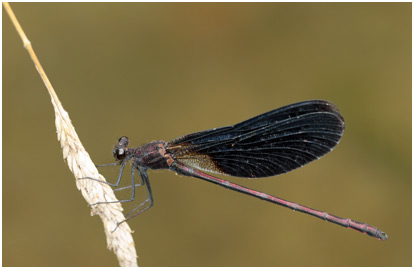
(119, 241)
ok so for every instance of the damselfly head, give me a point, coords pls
(121, 149)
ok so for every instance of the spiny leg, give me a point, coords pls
(108, 183)
(108, 164)
(119, 179)
(145, 179)
(136, 211)
(132, 186)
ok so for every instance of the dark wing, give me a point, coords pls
(266, 145)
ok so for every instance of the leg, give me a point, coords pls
(136, 211)
(108, 183)
(107, 164)
(133, 184)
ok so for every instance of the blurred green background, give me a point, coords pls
(161, 70)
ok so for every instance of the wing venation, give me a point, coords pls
(266, 145)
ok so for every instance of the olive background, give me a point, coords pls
(156, 71)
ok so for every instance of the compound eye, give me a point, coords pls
(119, 154)
(123, 141)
